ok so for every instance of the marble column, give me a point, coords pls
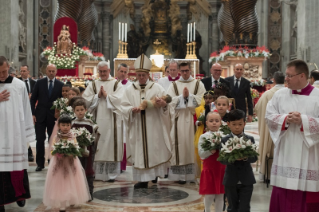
(106, 34)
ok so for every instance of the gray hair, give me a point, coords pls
(123, 65)
(12, 70)
(172, 61)
(102, 64)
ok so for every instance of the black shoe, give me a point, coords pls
(141, 185)
(91, 194)
(181, 182)
(30, 158)
(21, 203)
(155, 181)
(38, 169)
(2, 208)
(166, 176)
(111, 181)
(48, 161)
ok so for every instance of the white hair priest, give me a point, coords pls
(187, 94)
(147, 116)
(104, 98)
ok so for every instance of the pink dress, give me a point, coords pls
(65, 183)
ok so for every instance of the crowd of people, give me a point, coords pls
(160, 129)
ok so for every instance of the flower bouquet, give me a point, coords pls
(201, 117)
(66, 147)
(237, 148)
(84, 138)
(212, 141)
(90, 117)
(67, 111)
(254, 93)
(224, 128)
(60, 103)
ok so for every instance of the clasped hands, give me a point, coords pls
(185, 93)
(294, 118)
(159, 101)
(102, 93)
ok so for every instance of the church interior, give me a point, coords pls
(75, 35)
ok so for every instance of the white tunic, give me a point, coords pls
(296, 153)
(165, 83)
(16, 127)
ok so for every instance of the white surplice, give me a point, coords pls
(182, 130)
(165, 83)
(16, 127)
(296, 153)
(148, 134)
(109, 153)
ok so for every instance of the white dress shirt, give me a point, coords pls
(213, 82)
(238, 81)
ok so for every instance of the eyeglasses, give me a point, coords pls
(185, 71)
(291, 76)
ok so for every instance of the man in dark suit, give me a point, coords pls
(45, 92)
(240, 90)
(29, 83)
(210, 82)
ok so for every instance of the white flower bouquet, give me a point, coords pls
(84, 138)
(202, 117)
(212, 141)
(89, 116)
(60, 103)
(66, 147)
(224, 128)
(237, 148)
(67, 110)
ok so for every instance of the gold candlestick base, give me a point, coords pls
(122, 50)
(191, 49)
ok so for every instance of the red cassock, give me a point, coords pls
(211, 179)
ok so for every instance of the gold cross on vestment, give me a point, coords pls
(156, 43)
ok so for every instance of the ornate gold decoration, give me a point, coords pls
(275, 16)
(275, 44)
(64, 45)
(174, 15)
(156, 43)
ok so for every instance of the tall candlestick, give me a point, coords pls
(187, 33)
(194, 32)
(122, 31)
(119, 30)
(125, 32)
(190, 31)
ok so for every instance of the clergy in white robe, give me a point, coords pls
(266, 145)
(173, 69)
(314, 78)
(104, 99)
(148, 134)
(293, 119)
(16, 131)
(186, 94)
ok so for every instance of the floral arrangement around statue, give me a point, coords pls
(237, 148)
(254, 93)
(240, 52)
(260, 82)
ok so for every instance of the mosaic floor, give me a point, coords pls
(120, 195)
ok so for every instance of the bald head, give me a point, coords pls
(51, 71)
(216, 71)
(239, 70)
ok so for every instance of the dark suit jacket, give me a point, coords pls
(239, 170)
(32, 83)
(208, 83)
(40, 94)
(243, 92)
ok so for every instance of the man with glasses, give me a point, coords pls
(187, 94)
(293, 119)
(211, 82)
(165, 82)
(104, 98)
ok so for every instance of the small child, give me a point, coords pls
(74, 91)
(79, 108)
(222, 105)
(213, 171)
(65, 90)
(65, 182)
(239, 177)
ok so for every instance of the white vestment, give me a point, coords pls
(16, 127)
(182, 130)
(296, 153)
(109, 151)
(165, 83)
(148, 134)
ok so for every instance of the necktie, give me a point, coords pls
(50, 88)
(216, 82)
(26, 84)
(236, 88)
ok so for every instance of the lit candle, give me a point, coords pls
(190, 31)
(187, 33)
(122, 31)
(119, 30)
(194, 69)
(194, 32)
(125, 32)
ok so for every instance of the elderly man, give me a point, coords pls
(240, 90)
(187, 94)
(104, 98)
(16, 130)
(266, 145)
(148, 139)
(45, 92)
(211, 82)
(293, 120)
(165, 82)
(29, 84)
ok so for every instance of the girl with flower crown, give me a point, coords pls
(65, 183)
(213, 171)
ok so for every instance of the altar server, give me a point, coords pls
(187, 93)
(293, 120)
(148, 138)
(104, 98)
(16, 131)
(173, 69)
